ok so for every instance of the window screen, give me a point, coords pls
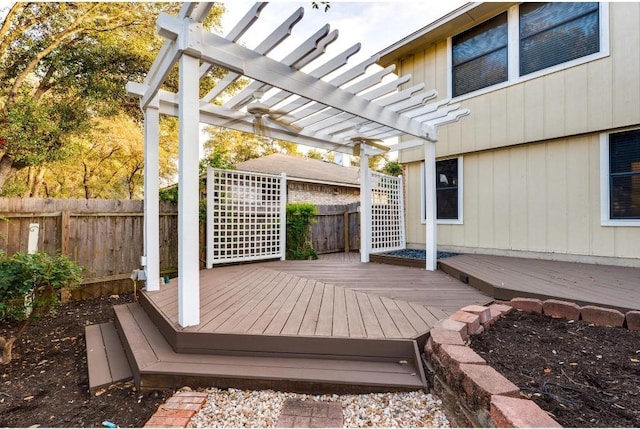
(624, 175)
(554, 33)
(479, 56)
(447, 189)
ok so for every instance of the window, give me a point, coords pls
(526, 41)
(448, 191)
(620, 184)
(479, 56)
(554, 33)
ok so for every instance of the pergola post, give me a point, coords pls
(365, 205)
(151, 259)
(430, 205)
(188, 193)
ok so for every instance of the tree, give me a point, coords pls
(226, 147)
(30, 288)
(64, 64)
(392, 168)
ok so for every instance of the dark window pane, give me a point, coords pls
(538, 17)
(624, 151)
(479, 56)
(447, 173)
(480, 73)
(447, 189)
(554, 33)
(447, 201)
(624, 171)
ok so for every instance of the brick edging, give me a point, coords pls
(178, 410)
(473, 391)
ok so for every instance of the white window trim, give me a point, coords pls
(460, 220)
(513, 55)
(605, 197)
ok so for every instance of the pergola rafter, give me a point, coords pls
(332, 113)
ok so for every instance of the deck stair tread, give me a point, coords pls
(157, 365)
(106, 359)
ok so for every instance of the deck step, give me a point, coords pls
(156, 365)
(106, 359)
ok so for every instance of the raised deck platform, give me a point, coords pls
(284, 325)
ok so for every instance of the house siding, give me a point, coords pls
(531, 154)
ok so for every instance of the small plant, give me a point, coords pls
(300, 217)
(30, 287)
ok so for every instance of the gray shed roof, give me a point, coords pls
(303, 169)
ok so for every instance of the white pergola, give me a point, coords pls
(330, 103)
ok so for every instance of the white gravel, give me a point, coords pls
(260, 408)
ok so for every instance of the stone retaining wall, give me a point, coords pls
(475, 394)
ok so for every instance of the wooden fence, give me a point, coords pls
(337, 225)
(103, 236)
(106, 236)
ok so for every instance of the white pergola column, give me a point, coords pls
(151, 259)
(365, 205)
(430, 205)
(188, 193)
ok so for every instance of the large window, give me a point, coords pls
(554, 33)
(620, 185)
(479, 56)
(527, 40)
(448, 191)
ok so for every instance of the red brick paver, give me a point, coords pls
(296, 413)
(633, 320)
(602, 316)
(519, 413)
(178, 410)
(561, 309)
(530, 305)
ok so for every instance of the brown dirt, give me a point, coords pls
(46, 384)
(582, 375)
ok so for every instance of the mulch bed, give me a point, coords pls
(46, 384)
(582, 375)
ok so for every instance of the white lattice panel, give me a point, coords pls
(245, 216)
(387, 213)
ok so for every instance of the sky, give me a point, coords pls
(375, 24)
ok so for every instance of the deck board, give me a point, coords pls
(311, 314)
(354, 316)
(340, 326)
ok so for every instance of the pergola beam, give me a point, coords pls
(217, 50)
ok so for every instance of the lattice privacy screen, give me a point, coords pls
(387, 213)
(245, 216)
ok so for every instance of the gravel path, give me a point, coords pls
(246, 408)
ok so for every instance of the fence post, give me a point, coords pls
(65, 225)
(347, 244)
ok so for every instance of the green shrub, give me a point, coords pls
(300, 217)
(35, 279)
(30, 287)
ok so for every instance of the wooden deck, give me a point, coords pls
(333, 324)
(586, 284)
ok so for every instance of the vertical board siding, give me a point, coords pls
(598, 95)
(542, 197)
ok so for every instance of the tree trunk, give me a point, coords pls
(6, 168)
(38, 178)
(7, 349)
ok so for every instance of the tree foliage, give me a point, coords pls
(225, 147)
(65, 65)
